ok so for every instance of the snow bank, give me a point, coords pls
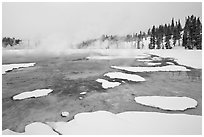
(107, 84)
(8, 67)
(152, 69)
(103, 122)
(36, 128)
(120, 75)
(167, 103)
(107, 123)
(35, 93)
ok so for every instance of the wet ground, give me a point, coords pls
(68, 76)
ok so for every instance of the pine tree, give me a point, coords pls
(175, 34)
(198, 34)
(152, 38)
(179, 30)
(168, 37)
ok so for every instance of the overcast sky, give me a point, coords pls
(87, 20)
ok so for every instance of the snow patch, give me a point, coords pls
(167, 103)
(120, 75)
(169, 63)
(156, 58)
(36, 128)
(9, 67)
(152, 64)
(65, 114)
(192, 58)
(107, 84)
(152, 69)
(103, 122)
(35, 93)
(83, 93)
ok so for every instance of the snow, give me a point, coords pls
(8, 67)
(152, 64)
(169, 63)
(167, 103)
(107, 123)
(82, 93)
(152, 69)
(35, 93)
(144, 60)
(103, 123)
(65, 114)
(124, 76)
(107, 84)
(192, 58)
(36, 128)
(110, 57)
(156, 58)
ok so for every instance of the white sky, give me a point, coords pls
(88, 20)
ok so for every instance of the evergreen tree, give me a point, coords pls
(168, 37)
(152, 38)
(198, 34)
(179, 30)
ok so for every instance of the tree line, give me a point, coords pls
(166, 36)
(192, 35)
(7, 41)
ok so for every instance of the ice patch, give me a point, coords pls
(8, 67)
(152, 69)
(65, 114)
(35, 93)
(167, 103)
(82, 93)
(107, 84)
(152, 64)
(120, 75)
(36, 128)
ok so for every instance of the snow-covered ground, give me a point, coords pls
(103, 123)
(30, 94)
(107, 84)
(124, 76)
(152, 69)
(9, 67)
(36, 128)
(167, 103)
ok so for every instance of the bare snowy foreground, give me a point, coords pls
(64, 92)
